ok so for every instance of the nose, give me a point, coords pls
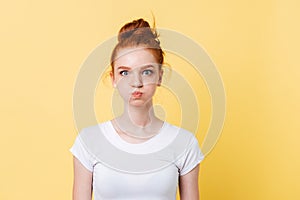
(136, 80)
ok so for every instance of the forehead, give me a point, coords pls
(134, 57)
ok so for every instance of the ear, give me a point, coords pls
(111, 74)
(161, 72)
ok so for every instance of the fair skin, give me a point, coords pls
(136, 76)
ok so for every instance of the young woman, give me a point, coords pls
(136, 73)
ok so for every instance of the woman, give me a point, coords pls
(136, 73)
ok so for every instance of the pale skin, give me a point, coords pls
(136, 76)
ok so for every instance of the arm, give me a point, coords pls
(82, 186)
(188, 185)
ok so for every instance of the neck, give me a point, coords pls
(138, 116)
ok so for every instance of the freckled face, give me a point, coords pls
(136, 75)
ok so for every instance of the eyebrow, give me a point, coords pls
(123, 67)
(128, 68)
(147, 66)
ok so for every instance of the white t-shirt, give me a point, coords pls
(144, 171)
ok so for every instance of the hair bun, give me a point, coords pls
(138, 33)
(139, 29)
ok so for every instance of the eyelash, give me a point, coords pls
(121, 72)
(150, 72)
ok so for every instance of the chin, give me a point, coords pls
(138, 102)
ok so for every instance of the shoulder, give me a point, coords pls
(91, 135)
(93, 129)
(180, 132)
(93, 138)
(180, 139)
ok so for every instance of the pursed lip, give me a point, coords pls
(137, 94)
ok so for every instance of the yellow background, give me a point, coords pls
(255, 45)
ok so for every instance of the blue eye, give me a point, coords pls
(147, 72)
(124, 73)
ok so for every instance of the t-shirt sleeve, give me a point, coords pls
(79, 150)
(191, 158)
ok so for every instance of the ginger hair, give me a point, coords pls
(138, 33)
